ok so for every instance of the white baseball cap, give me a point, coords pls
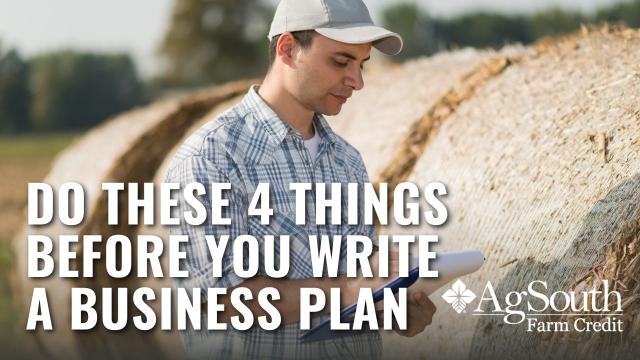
(346, 21)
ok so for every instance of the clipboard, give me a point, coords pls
(450, 265)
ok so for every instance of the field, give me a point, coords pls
(537, 146)
(23, 159)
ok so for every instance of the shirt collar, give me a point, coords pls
(276, 127)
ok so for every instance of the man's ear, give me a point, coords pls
(286, 48)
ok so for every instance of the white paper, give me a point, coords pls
(450, 266)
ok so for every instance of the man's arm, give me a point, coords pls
(289, 304)
(199, 264)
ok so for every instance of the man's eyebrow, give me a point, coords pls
(350, 56)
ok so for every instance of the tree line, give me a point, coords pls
(425, 35)
(64, 90)
(211, 42)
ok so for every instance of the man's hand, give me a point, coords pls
(351, 286)
(420, 312)
(420, 309)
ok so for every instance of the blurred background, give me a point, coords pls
(68, 65)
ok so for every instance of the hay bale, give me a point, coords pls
(128, 148)
(620, 267)
(394, 101)
(541, 165)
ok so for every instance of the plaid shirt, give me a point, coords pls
(247, 145)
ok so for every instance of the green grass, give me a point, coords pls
(8, 315)
(13, 340)
(33, 145)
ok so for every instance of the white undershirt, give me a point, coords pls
(313, 144)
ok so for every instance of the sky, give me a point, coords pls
(137, 26)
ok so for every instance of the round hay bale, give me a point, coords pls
(541, 167)
(128, 148)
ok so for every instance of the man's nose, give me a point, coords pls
(354, 79)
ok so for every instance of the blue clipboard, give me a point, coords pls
(324, 332)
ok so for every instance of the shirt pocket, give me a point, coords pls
(282, 222)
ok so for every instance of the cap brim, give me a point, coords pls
(382, 39)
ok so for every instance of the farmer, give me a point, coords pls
(277, 134)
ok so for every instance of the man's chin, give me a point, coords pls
(331, 110)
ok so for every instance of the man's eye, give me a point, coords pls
(340, 64)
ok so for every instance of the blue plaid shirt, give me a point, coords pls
(247, 145)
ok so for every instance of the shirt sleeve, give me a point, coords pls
(360, 228)
(198, 260)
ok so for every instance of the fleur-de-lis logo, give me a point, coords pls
(459, 296)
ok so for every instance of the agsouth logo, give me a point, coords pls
(459, 296)
(561, 304)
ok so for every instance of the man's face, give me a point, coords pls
(324, 75)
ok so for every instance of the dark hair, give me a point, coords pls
(303, 37)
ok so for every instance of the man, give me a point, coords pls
(278, 135)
